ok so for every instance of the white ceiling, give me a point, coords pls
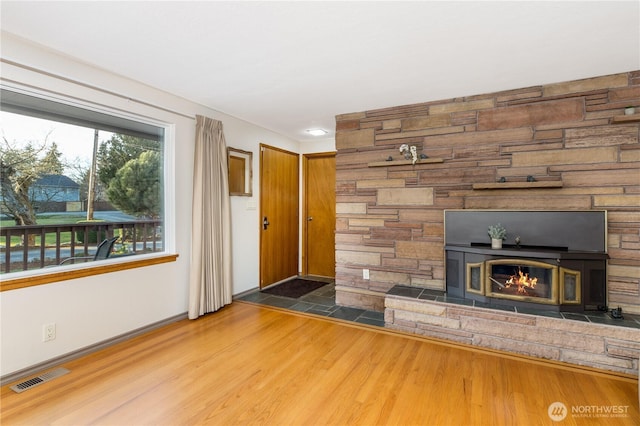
(291, 66)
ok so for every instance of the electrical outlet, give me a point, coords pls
(365, 274)
(49, 332)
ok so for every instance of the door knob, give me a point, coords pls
(310, 218)
(265, 223)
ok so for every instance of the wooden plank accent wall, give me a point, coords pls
(390, 219)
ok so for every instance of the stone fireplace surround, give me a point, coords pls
(571, 137)
(591, 338)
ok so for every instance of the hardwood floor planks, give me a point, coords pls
(249, 364)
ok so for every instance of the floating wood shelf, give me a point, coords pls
(404, 162)
(626, 118)
(518, 185)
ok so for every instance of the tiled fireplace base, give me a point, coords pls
(604, 344)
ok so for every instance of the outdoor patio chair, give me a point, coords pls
(102, 252)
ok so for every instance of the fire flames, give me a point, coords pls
(522, 280)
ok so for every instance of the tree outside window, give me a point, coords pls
(46, 177)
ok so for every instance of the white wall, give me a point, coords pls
(90, 310)
(319, 145)
(245, 211)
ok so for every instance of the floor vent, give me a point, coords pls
(42, 378)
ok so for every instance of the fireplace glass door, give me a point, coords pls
(475, 275)
(524, 280)
(570, 287)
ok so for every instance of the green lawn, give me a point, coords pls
(50, 219)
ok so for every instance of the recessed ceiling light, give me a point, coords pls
(317, 132)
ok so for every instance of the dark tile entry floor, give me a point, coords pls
(319, 302)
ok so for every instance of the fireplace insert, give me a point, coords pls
(566, 277)
(525, 280)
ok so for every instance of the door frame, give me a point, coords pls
(304, 198)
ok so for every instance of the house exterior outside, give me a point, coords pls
(55, 193)
(54, 188)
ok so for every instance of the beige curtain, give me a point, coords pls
(210, 284)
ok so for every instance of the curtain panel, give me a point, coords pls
(210, 286)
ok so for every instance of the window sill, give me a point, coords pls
(47, 278)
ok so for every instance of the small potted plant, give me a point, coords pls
(630, 110)
(497, 234)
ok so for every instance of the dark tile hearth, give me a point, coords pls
(323, 302)
(319, 302)
(597, 317)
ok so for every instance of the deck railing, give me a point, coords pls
(38, 246)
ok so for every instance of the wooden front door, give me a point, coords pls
(279, 206)
(319, 248)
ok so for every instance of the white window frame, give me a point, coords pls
(21, 279)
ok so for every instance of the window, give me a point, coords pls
(72, 178)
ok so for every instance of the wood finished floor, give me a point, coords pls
(250, 364)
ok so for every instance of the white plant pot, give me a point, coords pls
(496, 243)
(629, 111)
